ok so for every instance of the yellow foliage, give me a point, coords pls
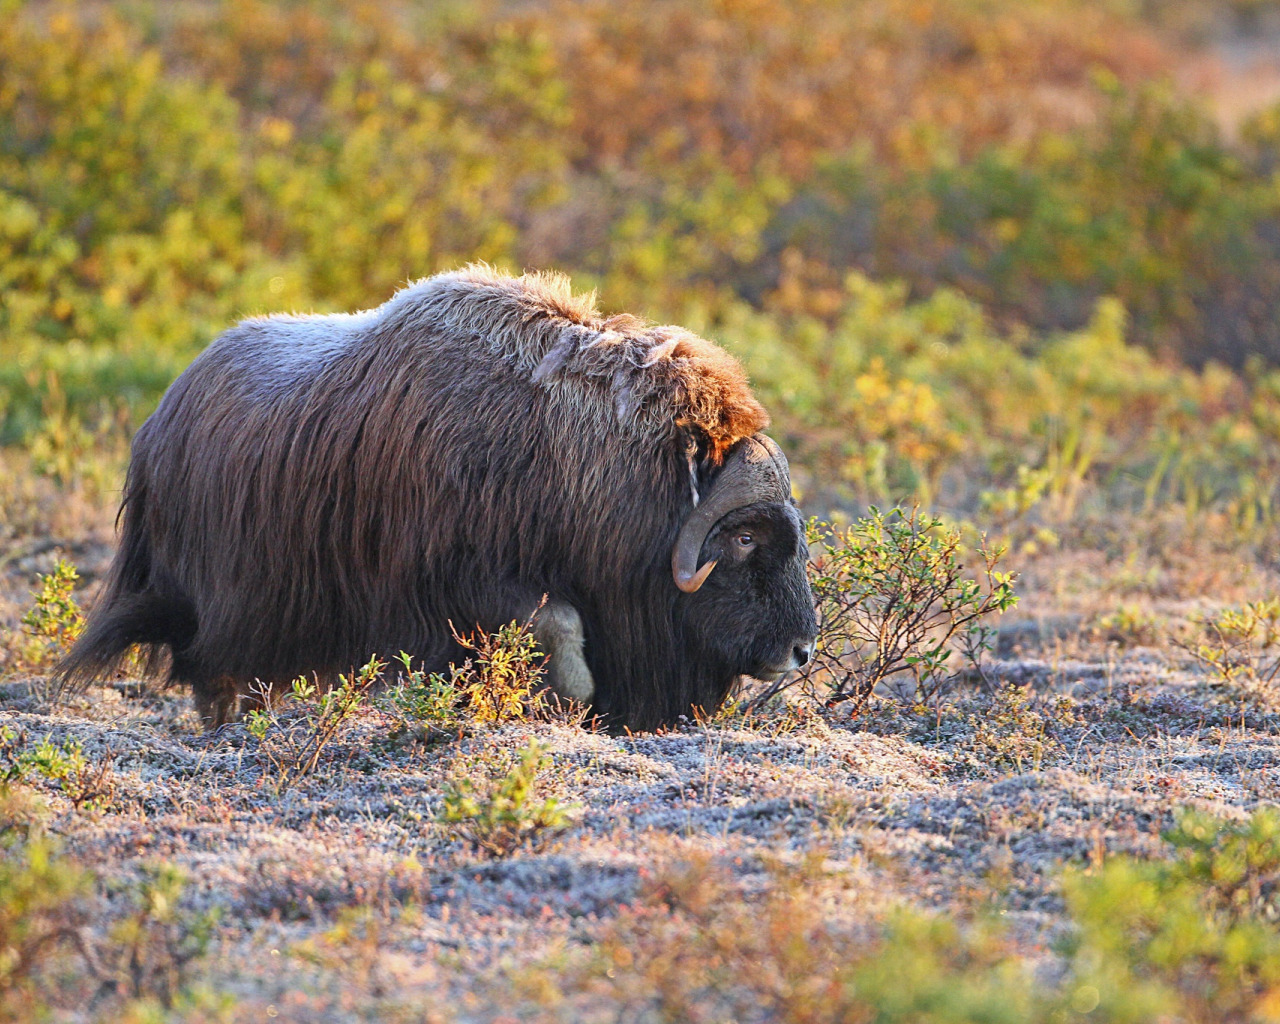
(736, 166)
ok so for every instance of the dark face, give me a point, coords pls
(754, 614)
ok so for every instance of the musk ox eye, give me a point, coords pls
(745, 541)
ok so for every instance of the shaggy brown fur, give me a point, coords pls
(313, 490)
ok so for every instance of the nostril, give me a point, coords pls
(802, 655)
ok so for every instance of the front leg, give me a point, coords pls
(558, 629)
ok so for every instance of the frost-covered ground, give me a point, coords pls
(347, 897)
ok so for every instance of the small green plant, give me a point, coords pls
(1128, 626)
(54, 621)
(425, 698)
(504, 673)
(1190, 937)
(500, 815)
(153, 947)
(895, 603)
(1240, 648)
(89, 786)
(1008, 505)
(41, 914)
(23, 813)
(143, 960)
(62, 445)
(294, 729)
(356, 946)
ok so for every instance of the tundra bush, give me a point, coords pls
(417, 698)
(1016, 731)
(41, 918)
(89, 786)
(897, 608)
(503, 675)
(53, 622)
(144, 961)
(295, 728)
(153, 948)
(1240, 649)
(500, 681)
(1191, 937)
(501, 814)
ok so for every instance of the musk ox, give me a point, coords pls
(313, 490)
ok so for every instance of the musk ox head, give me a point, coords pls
(740, 562)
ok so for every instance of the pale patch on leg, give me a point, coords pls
(558, 629)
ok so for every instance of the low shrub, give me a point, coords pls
(52, 623)
(897, 608)
(294, 729)
(87, 785)
(152, 949)
(42, 917)
(1240, 649)
(1188, 938)
(503, 675)
(500, 814)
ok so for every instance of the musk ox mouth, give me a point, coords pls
(800, 655)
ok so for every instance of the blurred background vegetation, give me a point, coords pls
(1015, 258)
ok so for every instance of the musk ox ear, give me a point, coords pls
(755, 470)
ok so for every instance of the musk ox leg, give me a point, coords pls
(217, 701)
(558, 629)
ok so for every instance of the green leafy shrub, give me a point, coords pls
(41, 916)
(502, 677)
(895, 603)
(53, 622)
(1147, 203)
(426, 698)
(1191, 937)
(88, 786)
(501, 814)
(293, 729)
(1240, 648)
(152, 949)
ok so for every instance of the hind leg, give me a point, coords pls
(217, 701)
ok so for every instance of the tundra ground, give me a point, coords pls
(709, 872)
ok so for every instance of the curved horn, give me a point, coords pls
(756, 470)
